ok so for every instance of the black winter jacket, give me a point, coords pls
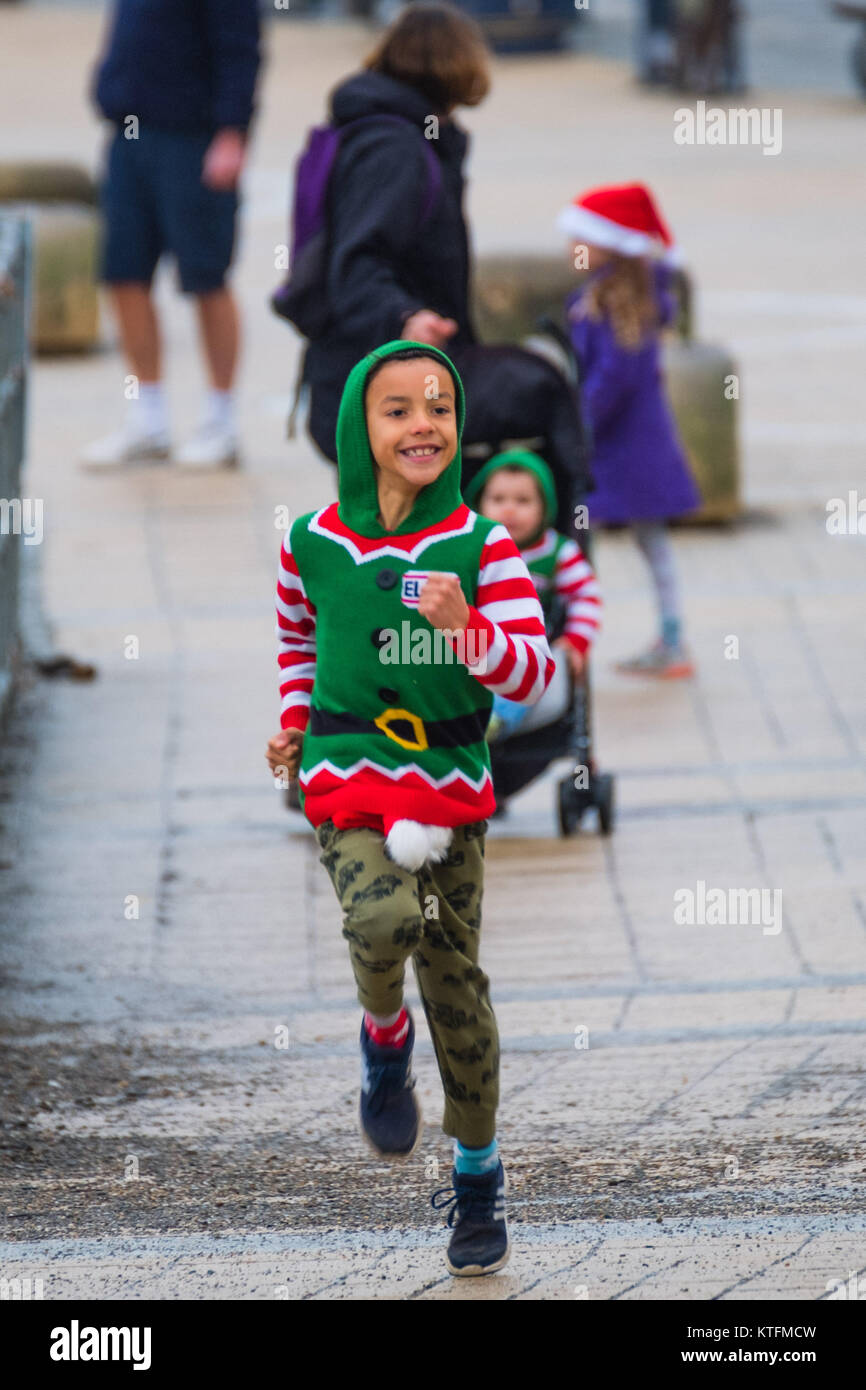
(382, 265)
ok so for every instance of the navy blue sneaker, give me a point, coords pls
(390, 1113)
(480, 1242)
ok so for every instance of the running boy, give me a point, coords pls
(391, 754)
(517, 489)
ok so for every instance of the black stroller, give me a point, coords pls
(517, 397)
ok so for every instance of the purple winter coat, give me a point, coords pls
(640, 467)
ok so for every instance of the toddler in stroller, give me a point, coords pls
(517, 489)
(524, 463)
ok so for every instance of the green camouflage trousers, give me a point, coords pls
(434, 916)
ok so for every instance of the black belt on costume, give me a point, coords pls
(405, 728)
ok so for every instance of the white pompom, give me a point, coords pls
(411, 844)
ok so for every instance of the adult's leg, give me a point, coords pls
(132, 243)
(130, 252)
(219, 324)
(199, 225)
(456, 992)
(139, 329)
(215, 442)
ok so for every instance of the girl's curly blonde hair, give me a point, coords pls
(624, 294)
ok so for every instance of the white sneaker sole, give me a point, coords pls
(211, 466)
(477, 1271)
(143, 460)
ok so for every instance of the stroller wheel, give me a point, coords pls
(569, 806)
(602, 795)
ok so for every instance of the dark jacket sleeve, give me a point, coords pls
(378, 189)
(233, 35)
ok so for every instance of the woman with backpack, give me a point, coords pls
(380, 246)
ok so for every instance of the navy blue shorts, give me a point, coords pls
(154, 202)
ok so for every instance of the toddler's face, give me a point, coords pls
(514, 500)
(411, 411)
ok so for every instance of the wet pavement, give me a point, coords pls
(682, 1105)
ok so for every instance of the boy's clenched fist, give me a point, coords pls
(442, 602)
(284, 751)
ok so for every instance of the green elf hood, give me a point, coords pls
(358, 497)
(523, 458)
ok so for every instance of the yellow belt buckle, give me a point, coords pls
(382, 721)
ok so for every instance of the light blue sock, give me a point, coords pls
(476, 1161)
(511, 714)
(671, 628)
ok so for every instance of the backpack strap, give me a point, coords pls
(291, 427)
(431, 194)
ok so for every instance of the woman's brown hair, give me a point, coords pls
(625, 294)
(438, 50)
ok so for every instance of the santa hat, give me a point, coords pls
(621, 218)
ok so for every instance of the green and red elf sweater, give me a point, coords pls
(395, 715)
(558, 566)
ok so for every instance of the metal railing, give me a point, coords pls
(15, 263)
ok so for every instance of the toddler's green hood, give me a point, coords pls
(532, 463)
(359, 499)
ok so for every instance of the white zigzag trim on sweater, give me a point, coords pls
(361, 559)
(543, 547)
(394, 774)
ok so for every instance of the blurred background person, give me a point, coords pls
(615, 320)
(707, 42)
(656, 42)
(398, 250)
(692, 45)
(177, 80)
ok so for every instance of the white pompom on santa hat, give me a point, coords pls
(621, 218)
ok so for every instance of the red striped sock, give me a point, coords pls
(393, 1034)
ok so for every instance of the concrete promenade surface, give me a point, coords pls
(707, 1143)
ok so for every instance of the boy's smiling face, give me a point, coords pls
(411, 413)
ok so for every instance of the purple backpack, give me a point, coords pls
(302, 297)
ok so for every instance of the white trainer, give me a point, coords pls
(212, 446)
(126, 447)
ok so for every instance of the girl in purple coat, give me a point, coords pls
(615, 319)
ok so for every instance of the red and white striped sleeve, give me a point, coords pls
(513, 659)
(574, 578)
(296, 631)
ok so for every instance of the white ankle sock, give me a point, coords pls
(219, 411)
(150, 411)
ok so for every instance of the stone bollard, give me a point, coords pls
(512, 292)
(60, 202)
